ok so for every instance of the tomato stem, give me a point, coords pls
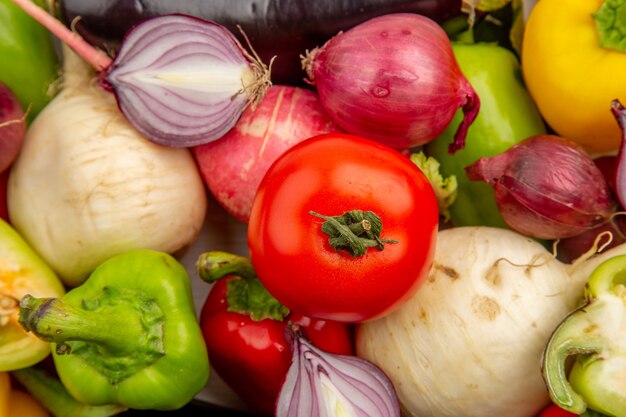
(354, 231)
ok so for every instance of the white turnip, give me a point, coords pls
(470, 341)
(87, 186)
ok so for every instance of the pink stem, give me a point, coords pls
(95, 57)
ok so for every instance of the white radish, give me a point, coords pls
(470, 341)
(87, 186)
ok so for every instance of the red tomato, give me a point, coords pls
(252, 357)
(332, 174)
(4, 211)
(555, 411)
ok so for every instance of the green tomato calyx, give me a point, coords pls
(611, 24)
(354, 231)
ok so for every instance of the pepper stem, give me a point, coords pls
(611, 24)
(119, 332)
(215, 265)
(245, 294)
(53, 320)
(354, 231)
(51, 393)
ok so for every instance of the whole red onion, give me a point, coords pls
(393, 79)
(547, 187)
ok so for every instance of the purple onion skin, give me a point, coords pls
(547, 187)
(393, 79)
(619, 169)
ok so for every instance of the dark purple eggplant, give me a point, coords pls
(281, 28)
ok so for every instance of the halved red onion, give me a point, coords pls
(183, 81)
(180, 80)
(547, 187)
(321, 384)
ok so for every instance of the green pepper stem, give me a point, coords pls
(53, 320)
(611, 24)
(215, 265)
(53, 395)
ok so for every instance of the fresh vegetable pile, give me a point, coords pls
(430, 197)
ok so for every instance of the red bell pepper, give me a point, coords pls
(244, 329)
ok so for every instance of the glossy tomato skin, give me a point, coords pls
(331, 174)
(252, 357)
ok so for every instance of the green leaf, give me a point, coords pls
(445, 188)
(248, 296)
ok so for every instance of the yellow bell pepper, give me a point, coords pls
(18, 403)
(573, 62)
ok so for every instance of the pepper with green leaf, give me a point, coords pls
(244, 327)
(127, 336)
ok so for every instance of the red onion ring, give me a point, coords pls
(318, 383)
(183, 81)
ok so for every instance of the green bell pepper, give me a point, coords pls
(29, 63)
(507, 116)
(594, 336)
(128, 335)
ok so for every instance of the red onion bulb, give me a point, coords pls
(547, 187)
(393, 79)
(322, 384)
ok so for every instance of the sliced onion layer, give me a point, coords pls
(321, 384)
(184, 81)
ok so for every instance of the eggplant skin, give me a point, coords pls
(282, 28)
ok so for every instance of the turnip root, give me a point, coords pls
(470, 341)
(233, 166)
(87, 186)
